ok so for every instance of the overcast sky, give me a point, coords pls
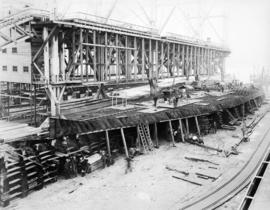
(244, 25)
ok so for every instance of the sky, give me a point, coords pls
(243, 25)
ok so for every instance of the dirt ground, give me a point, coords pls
(150, 185)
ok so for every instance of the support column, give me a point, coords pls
(183, 60)
(87, 56)
(124, 142)
(150, 66)
(173, 60)
(117, 58)
(46, 55)
(181, 129)
(143, 58)
(171, 131)
(162, 60)
(156, 135)
(135, 67)
(81, 53)
(126, 59)
(187, 126)
(106, 57)
(198, 127)
(178, 60)
(95, 56)
(168, 59)
(108, 143)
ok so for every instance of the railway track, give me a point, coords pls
(229, 188)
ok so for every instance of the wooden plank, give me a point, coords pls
(186, 180)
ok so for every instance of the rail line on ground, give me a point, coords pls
(240, 180)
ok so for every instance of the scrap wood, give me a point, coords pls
(212, 167)
(208, 147)
(182, 172)
(202, 177)
(186, 180)
(228, 127)
(206, 176)
(201, 160)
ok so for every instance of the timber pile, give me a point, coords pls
(26, 174)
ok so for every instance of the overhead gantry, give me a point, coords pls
(80, 50)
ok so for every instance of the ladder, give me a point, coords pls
(142, 137)
(145, 137)
(148, 137)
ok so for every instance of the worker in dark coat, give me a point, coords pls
(154, 90)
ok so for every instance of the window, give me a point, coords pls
(4, 68)
(14, 49)
(15, 68)
(4, 50)
(25, 69)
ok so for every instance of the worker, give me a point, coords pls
(177, 135)
(154, 90)
(129, 167)
(244, 131)
(103, 158)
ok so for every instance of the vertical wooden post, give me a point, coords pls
(178, 58)
(187, 62)
(73, 51)
(81, 53)
(135, 67)
(191, 60)
(171, 131)
(95, 56)
(168, 59)
(106, 56)
(156, 60)
(187, 126)
(156, 135)
(173, 60)
(162, 59)
(108, 143)
(124, 142)
(138, 137)
(198, 127)
(181, 129)
(126, 58)
(143, 58)
(46, 55)
(87, 55)
(195, 61)
(150, 66)
(183, 60)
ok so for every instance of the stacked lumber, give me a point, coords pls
(19, 177)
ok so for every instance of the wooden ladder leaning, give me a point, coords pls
(145, 137)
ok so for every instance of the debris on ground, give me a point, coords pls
(186, 180)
